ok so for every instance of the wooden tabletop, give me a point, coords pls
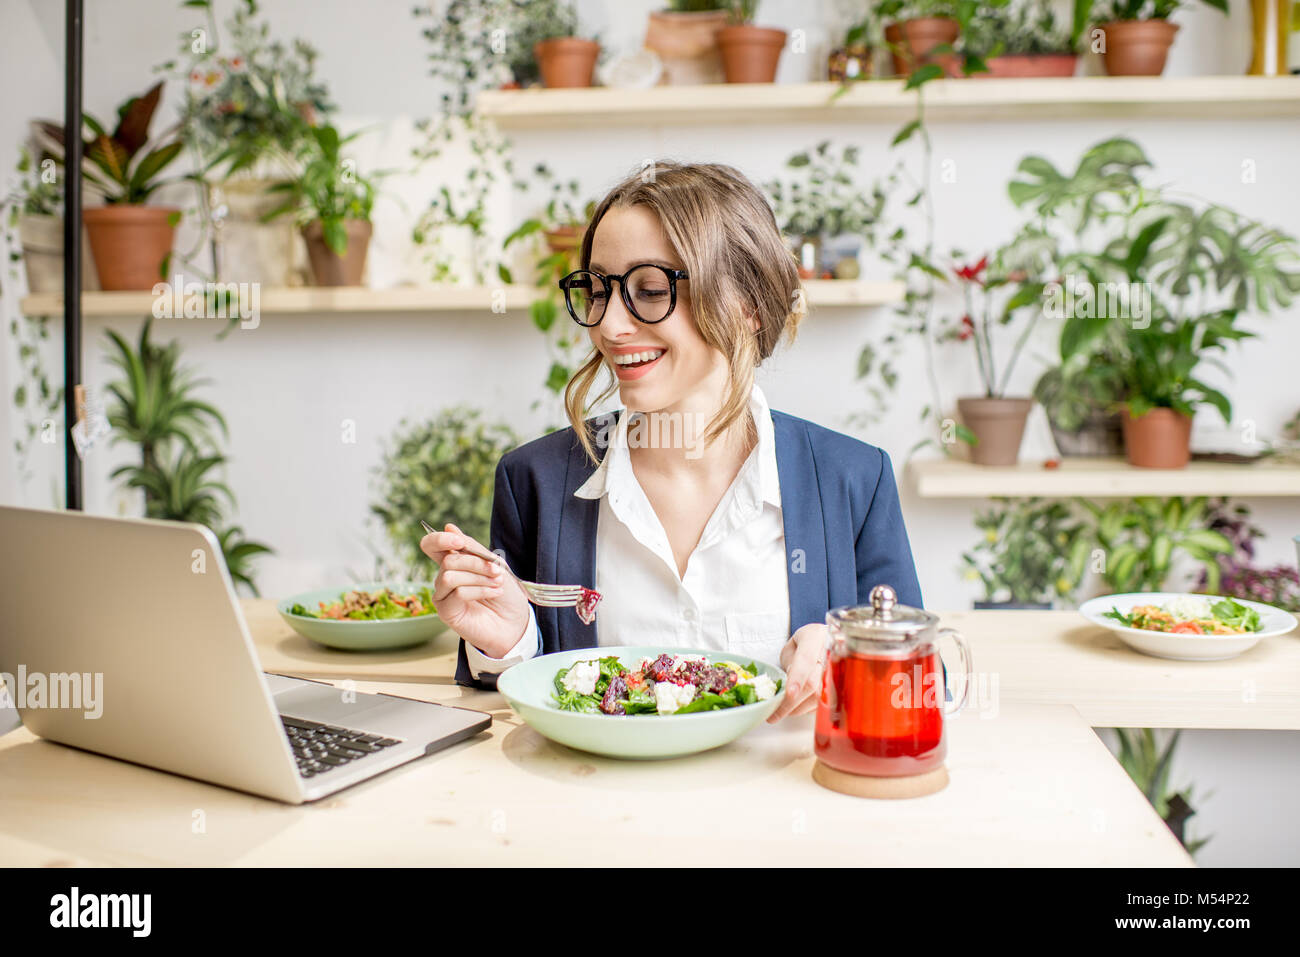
(1038, 657)
(1031, 784)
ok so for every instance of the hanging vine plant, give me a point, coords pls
(37, 397)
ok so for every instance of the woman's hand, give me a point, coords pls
(802, 659)
(478, 599)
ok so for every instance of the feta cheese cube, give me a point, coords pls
(669, 697)
(764, 686)
(582, 677)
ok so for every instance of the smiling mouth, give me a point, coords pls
(636, 360)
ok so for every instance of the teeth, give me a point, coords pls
(638, 357)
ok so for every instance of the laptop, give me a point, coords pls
(124, 637)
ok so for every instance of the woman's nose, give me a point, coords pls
(617, 319)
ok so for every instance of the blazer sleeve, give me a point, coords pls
(883, 554)
(507, 537)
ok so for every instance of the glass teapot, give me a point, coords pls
(883, 695)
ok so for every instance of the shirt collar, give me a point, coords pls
(759, 471)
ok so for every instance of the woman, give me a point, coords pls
(702, 517)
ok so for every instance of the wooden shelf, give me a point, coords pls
(1229, 97)
(1099, 478)
(822, 293)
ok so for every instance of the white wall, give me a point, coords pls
(286, 386)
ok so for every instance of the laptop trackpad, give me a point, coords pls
(320, 702)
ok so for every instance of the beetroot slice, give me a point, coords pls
(586, 608)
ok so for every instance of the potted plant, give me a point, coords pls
(332, 204)
(1162, 389)
(1030, 552)
(851, 60)
(996, 291)
(441, 469)
(130, 240)
(921, 32)
(1161, 283)
(825, 212)
(1148, 764)
(245, 110)
(153, 407)
(1024, 41)
(1137, 34)
(1080, 398)
(34, 210)
(1145, 540)
(750, 54)
(685, 37)
(564, 59)
(1277, 585)
(563, 219)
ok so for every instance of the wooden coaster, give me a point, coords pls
(910, 786)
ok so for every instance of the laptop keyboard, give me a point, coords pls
(323, 747)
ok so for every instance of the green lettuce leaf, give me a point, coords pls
(1236, 615)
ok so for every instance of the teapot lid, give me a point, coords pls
(884, 619)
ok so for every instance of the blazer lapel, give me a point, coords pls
(575, 558)
(805, 529)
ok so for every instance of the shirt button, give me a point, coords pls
(689, 614)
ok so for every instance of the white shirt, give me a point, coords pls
(734, 597)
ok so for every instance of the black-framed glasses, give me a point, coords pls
(649, 291)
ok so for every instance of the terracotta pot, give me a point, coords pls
(566, 62)
(849, 63)
(911, 41)
(750, 54)
(130, 243)
(998, 424)
(687, 44)
(331, 269)
(1137, 47)
(1031, 65)
(564, 239)
(1161, 439)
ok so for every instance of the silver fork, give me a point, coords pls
(545, 596)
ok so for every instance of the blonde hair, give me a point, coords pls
(723, 231)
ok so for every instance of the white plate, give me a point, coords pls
(1161, 644)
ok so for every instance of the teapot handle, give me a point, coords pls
(966, 669)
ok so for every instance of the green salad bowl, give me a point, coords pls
(530, 685)
(361, 635)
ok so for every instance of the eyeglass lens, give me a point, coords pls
(648, 289)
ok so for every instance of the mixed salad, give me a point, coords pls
(668, 684)
(371, 606)
(1189, 615)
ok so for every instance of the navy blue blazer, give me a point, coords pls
(844, 529)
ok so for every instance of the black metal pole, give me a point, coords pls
(72, 246)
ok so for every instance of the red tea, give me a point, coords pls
(881, 717)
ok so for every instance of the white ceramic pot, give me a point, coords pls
(248, 249)
(42, 240)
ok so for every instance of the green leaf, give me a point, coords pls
(336, 235)
(922, 75)
(906, 132)
(557, 378)
(543, 313)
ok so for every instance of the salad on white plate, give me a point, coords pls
(1187, 627)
